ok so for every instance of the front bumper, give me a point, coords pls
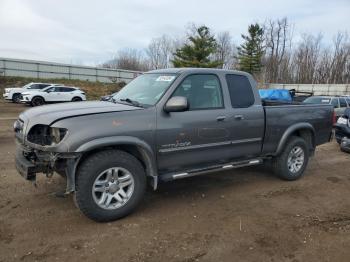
(341, 131)
(29, 162)
(25, 100)
(26, 168)
(6, 96)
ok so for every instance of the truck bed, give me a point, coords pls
(279, 116)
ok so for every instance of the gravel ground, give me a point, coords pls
(241, 215)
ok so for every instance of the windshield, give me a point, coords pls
(146, 89)
(317, 100)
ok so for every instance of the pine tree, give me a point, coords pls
(251, 51)
(198, 51)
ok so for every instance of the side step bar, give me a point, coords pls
(216, 168)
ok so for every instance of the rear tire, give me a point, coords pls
(291, 163)
(109, 185)
(16, 98)
(37, 101)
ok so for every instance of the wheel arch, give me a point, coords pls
(14, 94)
(134, 146)
(74, 97)
(303, 130)
(36, 97)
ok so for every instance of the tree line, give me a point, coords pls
(270, 51)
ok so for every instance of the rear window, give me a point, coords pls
(241, 92)
(335, 102)
(66, 89)
(342, 102)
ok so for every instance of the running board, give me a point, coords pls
(196, 172)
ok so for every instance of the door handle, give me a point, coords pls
(239, 117)
(221, 118)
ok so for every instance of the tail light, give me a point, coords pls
(334, 118)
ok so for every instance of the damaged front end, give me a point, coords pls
(36, 153)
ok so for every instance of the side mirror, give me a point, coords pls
(176, 104)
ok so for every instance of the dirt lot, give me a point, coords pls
(242, 215)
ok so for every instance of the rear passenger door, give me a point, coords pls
(66, 93)
(245, 116)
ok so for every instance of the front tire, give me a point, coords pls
(110, 184)
(291, 163)
(16, 98)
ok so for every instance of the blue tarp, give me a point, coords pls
(275, 94)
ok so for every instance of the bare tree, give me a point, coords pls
(278, 39)
(340, 59)
(160, 52)
(306, 57)
(226, 50)
(129, 59)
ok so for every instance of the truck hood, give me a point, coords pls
(48, 114)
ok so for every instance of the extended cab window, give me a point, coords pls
(201, 91)
(240, 90)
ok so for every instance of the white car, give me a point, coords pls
(53, 94)
(14, 93)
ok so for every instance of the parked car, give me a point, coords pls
(165, 125)
(342, 127)
(345, 145)
(53, 94)
(14, 93)
(339, 103)
(108, 97)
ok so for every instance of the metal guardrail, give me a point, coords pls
(316, 89)
(46, 70)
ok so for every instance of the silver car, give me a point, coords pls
(339, 103)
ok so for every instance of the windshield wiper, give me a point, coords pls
(132, 102)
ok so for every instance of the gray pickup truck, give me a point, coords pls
(165, 125)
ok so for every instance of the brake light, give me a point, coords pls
(334, 118)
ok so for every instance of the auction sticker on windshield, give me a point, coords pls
(165, 78)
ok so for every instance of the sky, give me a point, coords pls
(90, 32)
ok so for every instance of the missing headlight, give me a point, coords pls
(45, 135)
(57, 134)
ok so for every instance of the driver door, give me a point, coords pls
(199, 136)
